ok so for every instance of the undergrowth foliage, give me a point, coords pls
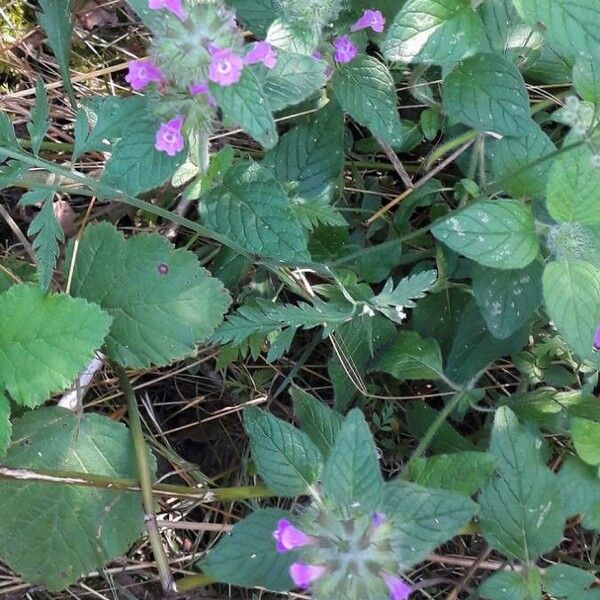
(480, 281)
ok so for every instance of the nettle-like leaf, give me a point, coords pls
(351, 475)
(423, 518)
(71, 529)
(488, 93)
(586, 439)
(566, 581)
(365, 90)
(293, 37)
(257, 14)
(433, 31)
(507, 299)
(247, 104)
(311, 155)
(512, 585)
(285, 457)
(521, 509)
(572, 299)
(586, 79)
(162, 301)
(248, 556)
(494, 233)
(38, 126)
(45, 340)
(253, 208)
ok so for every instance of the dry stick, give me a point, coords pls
(145, 475)
(15, 228)
(397, 164)
(453, 595)
(419, 183)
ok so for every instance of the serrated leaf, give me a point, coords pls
(293, 37)
(521, 510)
(135, 165)
(507, 299)
(572, 298)
(423, 518)
(311, 155)
(5, 425)
(573, 192)
(488, 93)
(293, 79)
(411, 357)
(247, 557)
(257, 14)
(365, 90)
(57, 22)
(566, 581)
(352, 475)
(71, 529)
(586, 79)
(318, 421)
(311, 215)
(586, 439)
(38, 126)
(507, 585)
(246, 104)
(433, 31)
(510, 155)
(153, 19)
(285, 457)
(494, 233)
(162, 301)
(45, 340)
(7, 132)
(253, 208)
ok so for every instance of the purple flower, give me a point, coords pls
(141, 73)
(317, 55)
(370, 18)
(262, 52)
(289, 537)
(345, 50)
(169, 138)
(202, 88)
(225, 67)
(174, 6)
(377, 519)
(597, 340)
(303, 574)
(399, 589)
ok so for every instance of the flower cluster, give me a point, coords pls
(345, 48)
(343, 557)
(578, 115)
(199, 45)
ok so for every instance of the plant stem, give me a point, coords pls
(145, 475)
(191, 582)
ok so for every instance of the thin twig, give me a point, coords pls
(397, 164)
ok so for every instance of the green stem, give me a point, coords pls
(191, 582)
(145, 475)
(58, 146)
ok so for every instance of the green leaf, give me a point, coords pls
(580, 491)
(510, 155)
(71, 529)
(319, 422)
(311, 215)
(20, 269)
(45, 340)
(507, 299)
(247, 557)
(38, 126)
(253, 208)
(572, 298)
(311, 155)
(586, 439)
(285, 457)
(365, 90)
(293, 37)
(411, 357)
(162, 301)
(574, 187)
(566, 581)
(135, 165)
(246, 104)
(521, 510)
(495, 233)
(571, 26)
(153, 19)
(257, 14)
(423, 519)
(488, 93)
(586, 79)
(351, 475)
(510, 585)
(293, 79)
(48, 233)
(5, 425)
(462, 472)
(433, 31)
(56, 20)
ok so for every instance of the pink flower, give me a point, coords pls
(262, 52)
(141, 73)
(169, 138)
(345, 50)
(377, 519)
(303, 574)
(289, 537)
(399, 590)
(225, 67)
(597, 340)
(202, 88)
(317, 55)
(370, 18)
(174, 6)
